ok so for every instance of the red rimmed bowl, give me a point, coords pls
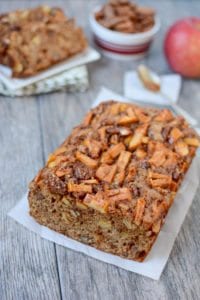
(122, 45)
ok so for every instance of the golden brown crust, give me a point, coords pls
(33, 40)
(117, 168)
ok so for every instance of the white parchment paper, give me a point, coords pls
(155, 262)
(134, 89)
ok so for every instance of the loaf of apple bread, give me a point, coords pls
(113, 180)
(35, 39)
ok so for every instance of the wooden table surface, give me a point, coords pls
(30, 128)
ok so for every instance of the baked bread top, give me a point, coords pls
(123, 159)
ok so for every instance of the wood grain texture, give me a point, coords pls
(30, 128)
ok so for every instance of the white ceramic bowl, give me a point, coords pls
(122, 45)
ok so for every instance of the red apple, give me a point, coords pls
(182, 47)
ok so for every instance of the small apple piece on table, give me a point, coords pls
(182, 47)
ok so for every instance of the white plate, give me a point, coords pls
(87, 56)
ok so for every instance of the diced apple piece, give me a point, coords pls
(60, 150)
(102, 133)
(85, 188)
(164, 115)
(159, 209)
(119, 194)
(156, 226)
(38, 176)
(114, 139)
(66, 201)
(114, 109)
(119, 177)
(181, 148)
(141, 115)
(88, 118)
(52, 164)
(115, 150)
(93, 146)
(54, 160)
(140, 153)
(106, 158)
(131, 173)
(60, 173)
(90, 181)
(106, 172)
(92, 163)
(130, 112)
(158, 158)
(123, 107)
(136, 139)
(175, 134)
(159, 180)
(123, 160)
(51, 158)
(123, 120)
(81, 205)
(96, 202)
(192, 142)
(145, 140)
(161, 156)
(127, 140)
(139, 211)
(105, 224)
(156, 149)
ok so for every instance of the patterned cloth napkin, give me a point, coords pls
(73, 80)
